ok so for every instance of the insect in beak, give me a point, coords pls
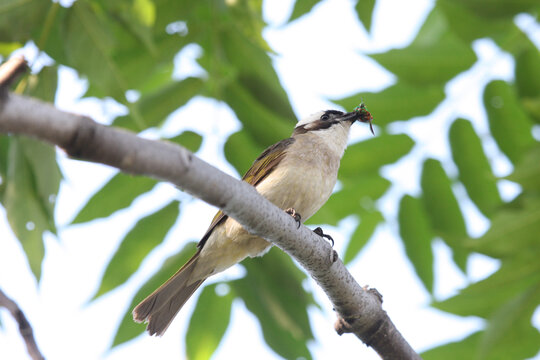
(365, 115)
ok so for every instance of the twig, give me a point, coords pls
(10, 70)
(82, 137)
(24, 326)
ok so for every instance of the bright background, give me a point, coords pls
(310, 69)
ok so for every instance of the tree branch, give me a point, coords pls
(359, 309)
(24, 326)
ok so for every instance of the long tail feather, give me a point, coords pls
(160, 307)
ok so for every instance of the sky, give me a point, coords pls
(329, 63)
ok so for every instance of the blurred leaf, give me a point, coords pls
(118, 193)
(364, 10)
(147, 233)
(241, 151)
(128, 328)
(522, 226)
(510, 334)
(363, 232)
(4, 151)
(434, 57)
(272, 290)
(415, 231)
(369, 155)
(19, 19)
(485, 297)
(527, 171)
(201, 339)
(474, 170)
(6, 48)
(302, 7)
(43, 85)
(462, 349)
(527, 72)
(154, 108)
(25, 210)
(443, 209)
(498, 8)
(188, 139)
(352, 199)
(397, 102)
(87, 27)
(508, 122)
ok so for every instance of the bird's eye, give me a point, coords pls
(325, 117)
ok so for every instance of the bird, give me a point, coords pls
(297, 174)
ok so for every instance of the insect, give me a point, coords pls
(365, 115)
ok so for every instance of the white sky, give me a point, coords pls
(319, 57)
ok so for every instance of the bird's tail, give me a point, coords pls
(160, 307)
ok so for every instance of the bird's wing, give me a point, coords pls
(261, 168)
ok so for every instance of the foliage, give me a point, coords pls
(133, 44)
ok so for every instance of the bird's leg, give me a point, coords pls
(296, 216)
(319, 232)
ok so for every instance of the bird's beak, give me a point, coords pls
(362, 115)
(352, 116)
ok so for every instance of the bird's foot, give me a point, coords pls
(296, 216)
(319, 232)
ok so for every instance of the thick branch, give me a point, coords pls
(24, 326)
(360, 310)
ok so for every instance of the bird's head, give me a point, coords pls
(325, 121)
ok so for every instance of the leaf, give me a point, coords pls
(435, 57)
(25, 211)
(497, 8)
(188, 139)
(272, 290)
(19, 19)
(118, 193)
(301, 8)
(128, 328)
(154, 108)
(443, 210)
(462, 349)
(474, 170)
(364, 10)
(6, 48)
(510, 126)
(363, 232)
(484, 298)
(397, 102)
(527, 171)
(201, 339)
(527, 72)
(369, 155)
(43, 85)
(521, 225)
(415, 231)
(240, 151)
(147, 233)
(510, 334)
(354, 198)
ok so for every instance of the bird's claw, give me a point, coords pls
(320, 232)
(296, 216)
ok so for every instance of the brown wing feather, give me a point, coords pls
(261, 168)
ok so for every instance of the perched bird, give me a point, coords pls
(297, 174)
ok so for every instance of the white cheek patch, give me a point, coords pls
(311, 118)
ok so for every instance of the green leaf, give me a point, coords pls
(484, 298)
(301, 8)
(147, 233)
(272, 290)
(154, 107)
(241, 151)
(474, 170)
(521, 225)
(188, 139)
(398, 102)
(443, 210)
(6, 48)
(462, 349)
(118, 193)
(527, 171)
(363, 232)
(19, 19)
(356, 196)
(527, 72)
(498, 8)
(25, 210)
(201, 339)
(509, 124)
(415, 231)
(435, 57)
(43, 85)
(369, 155)
(87, 27)
(128, 328)
(510, 334)
(364, 10)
